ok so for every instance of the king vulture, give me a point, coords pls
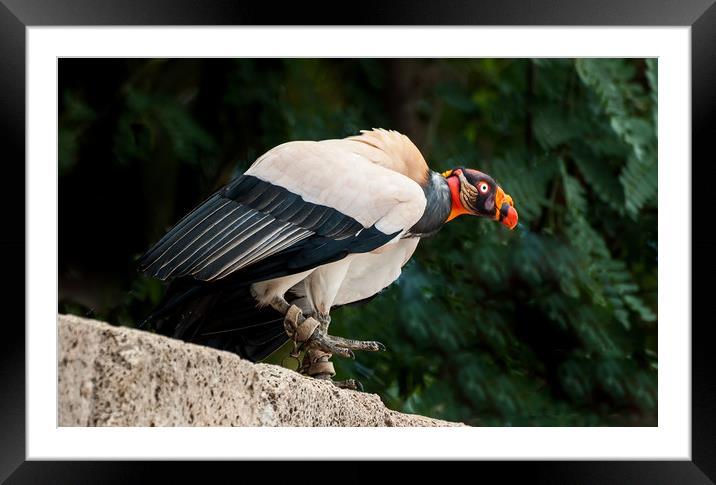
(311, 225)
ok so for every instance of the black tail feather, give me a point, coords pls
(226, 318)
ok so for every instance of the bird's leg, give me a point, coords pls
(305, 331)
(324, 320)
(316, 361)
(312, 334)
(322, 346)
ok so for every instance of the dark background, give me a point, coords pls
(552, 324)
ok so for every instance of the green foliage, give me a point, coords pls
(552, 324)
(632, 114)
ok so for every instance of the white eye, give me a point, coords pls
(483, 187)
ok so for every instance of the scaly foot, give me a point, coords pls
(342, 346)
(324, 320)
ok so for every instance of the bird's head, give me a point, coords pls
(476, 193)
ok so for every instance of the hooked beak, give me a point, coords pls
(507, 214)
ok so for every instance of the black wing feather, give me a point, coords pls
(260, 230)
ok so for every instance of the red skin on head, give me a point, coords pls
(457, 208)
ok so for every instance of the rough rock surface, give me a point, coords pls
(116, 376)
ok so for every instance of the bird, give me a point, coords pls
(308, 227)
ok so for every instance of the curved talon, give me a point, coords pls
(372, 346)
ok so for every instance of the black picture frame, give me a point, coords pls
(16, 15)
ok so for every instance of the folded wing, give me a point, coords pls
(300, 205)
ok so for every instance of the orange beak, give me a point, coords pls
(507, 213)
(510, 216)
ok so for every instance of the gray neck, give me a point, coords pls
(437, 209)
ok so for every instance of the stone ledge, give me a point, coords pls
(117, 376)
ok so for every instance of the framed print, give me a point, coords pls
(146, 129)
